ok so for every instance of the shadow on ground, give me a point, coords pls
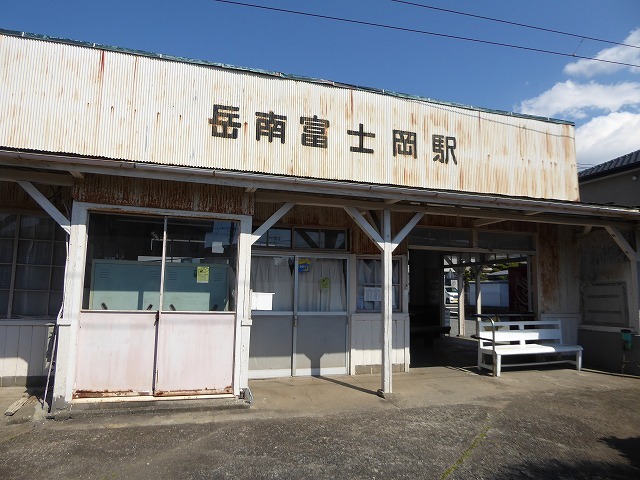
(447, 351)
(557, 470)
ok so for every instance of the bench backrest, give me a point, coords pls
(519, 332)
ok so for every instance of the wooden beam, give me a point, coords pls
(271, 221)
(485, 222)
(375, 220)
(628, 250)
(11, 175)
(365, 226)
(406, 229)
(15, 406)
(47, 206)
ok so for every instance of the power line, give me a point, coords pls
(524, 25)
(424, 32)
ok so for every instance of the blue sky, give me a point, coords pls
(603, 100)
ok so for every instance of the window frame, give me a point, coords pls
(396, 258)
(420, 231)
(297, 248)
(83, 210)
(57, 239)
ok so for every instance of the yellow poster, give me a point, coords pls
(202, 274)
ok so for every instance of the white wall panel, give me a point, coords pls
(366, 340)
(23, 350)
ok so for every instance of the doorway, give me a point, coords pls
(444, 302)
(299, 313)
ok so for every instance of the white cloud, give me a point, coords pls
(607, 115)
(589, 68)
(607, 137)
(575, 100)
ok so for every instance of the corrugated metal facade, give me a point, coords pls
(78, 100)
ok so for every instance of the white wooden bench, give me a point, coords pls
(541, 338)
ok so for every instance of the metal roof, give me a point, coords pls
(270, 73)
(625, 162)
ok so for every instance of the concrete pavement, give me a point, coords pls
(443, 422)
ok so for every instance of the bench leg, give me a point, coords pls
(497, 360)
(579, 361)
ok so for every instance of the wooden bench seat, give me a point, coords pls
(542, 338)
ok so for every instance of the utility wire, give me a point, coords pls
(524, 25)
(424, 32)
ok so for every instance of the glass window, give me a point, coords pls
(8, 225)
(305, 238)
(275, 237)
(369, 285)
(322, 285)
(124, 261)
(272, 283)
(505, 241)
(200, 265)
(32, 258)
(319, 239)
(440, 237)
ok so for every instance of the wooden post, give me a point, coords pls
(461, 284)
(243, 306)
(387, 303)
(387, 245)
(478, 290)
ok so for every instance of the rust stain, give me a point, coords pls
(549, 144)
(184, 393)
(107, 393)
(101, 69)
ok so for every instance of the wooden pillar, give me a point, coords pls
(461, 285)
(478, 290)
(387, 244)
(387, 303)
(243, 306)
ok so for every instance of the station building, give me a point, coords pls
(174, 228)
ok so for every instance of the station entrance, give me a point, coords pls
(448, 289)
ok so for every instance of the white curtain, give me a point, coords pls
(274, 275)
(322, 286)
(369, 273)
